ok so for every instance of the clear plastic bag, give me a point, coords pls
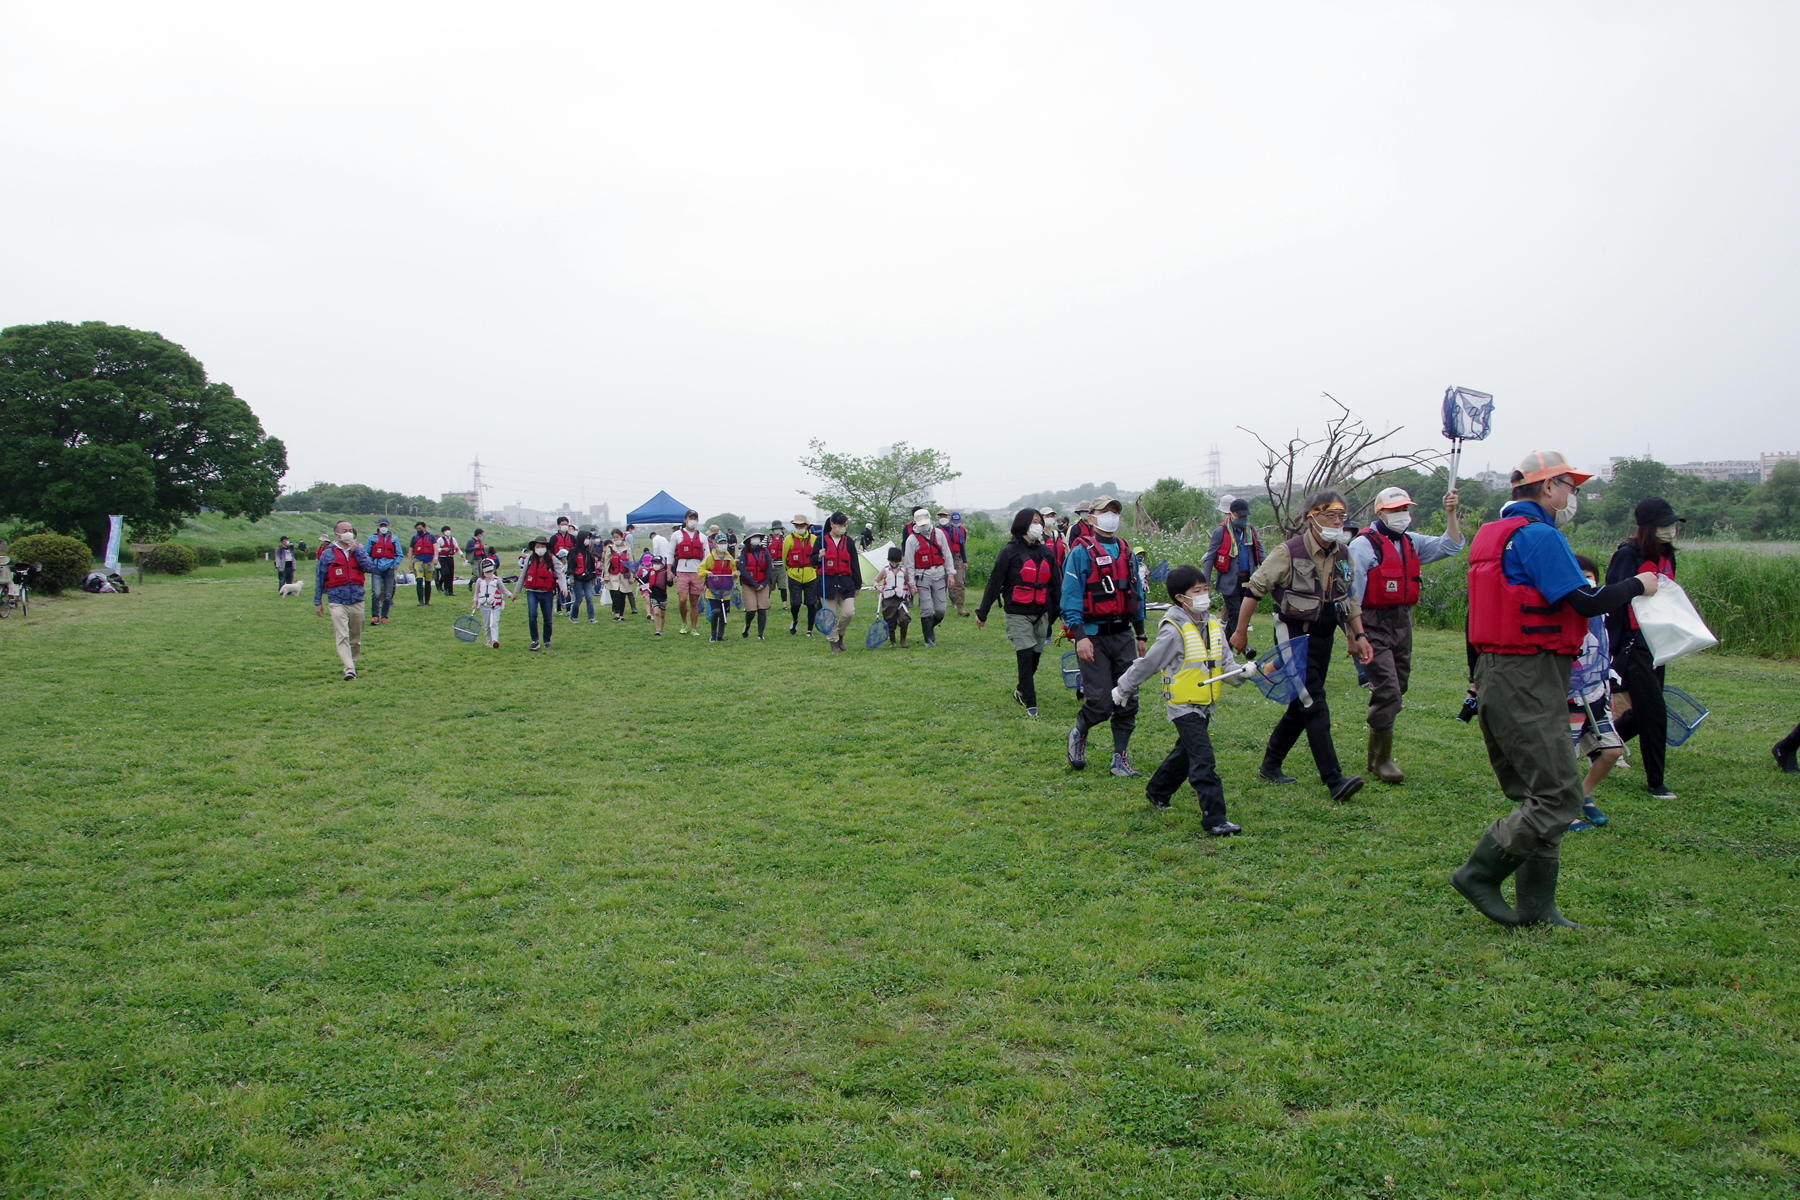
(1670, 624)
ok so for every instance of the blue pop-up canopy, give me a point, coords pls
(660, 509)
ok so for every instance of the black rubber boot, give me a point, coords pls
(1272, 773)
(1344, 789)
(1535, 885)
(1479, 880)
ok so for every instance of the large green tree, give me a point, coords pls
(1171, 503)
(98, 419)
(881, 489)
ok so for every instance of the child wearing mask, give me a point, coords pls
(1190, 651)
(718, 571)
(490, 595)
(894, 588)
(656, 591)
(755, 568)
(540, 587)
(1590, 713)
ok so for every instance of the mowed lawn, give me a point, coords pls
(653, 917)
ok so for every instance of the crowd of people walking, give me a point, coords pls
(1558, 666)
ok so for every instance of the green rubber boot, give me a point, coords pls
(1535, 884)
(1479, 880)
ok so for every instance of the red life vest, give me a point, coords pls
(1393, 582)
(342, 569)
(689, 544)
(475, 549)
(756, 567)
(1226, 559)
(618, 561)
(540, 576)
(1110, 593)
(1514, 618)
(1035, 575)
(561, 541)
(384, 547)
(927, 555)
(424, 546)
(837, 555)
(799, 551)
(958, 535)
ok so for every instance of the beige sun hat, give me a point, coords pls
(1540, 465)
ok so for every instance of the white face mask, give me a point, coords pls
(1331, 534)
(1566, 513)
(349, 535)
(539, 550)
(1668, 533)
(1106, 522)
(943, 520)
(1399, 521)
(1035, 533)
(693, 524)
(1197, 604)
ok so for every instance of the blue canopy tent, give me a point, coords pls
(660, 509)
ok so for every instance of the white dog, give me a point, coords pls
(289, 589)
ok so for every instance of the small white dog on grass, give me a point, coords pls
(288, 589)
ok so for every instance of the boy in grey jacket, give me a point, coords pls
(1190, 650)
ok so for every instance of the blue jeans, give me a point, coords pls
(381, 593)
(580, 590)
(545, 601)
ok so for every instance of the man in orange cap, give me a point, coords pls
(1529, 606)
(1385, 561)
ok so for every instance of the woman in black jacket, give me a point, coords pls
(1026, 581)
(1651, 549)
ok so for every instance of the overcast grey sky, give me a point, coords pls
(617, 247)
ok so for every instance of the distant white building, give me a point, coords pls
(1722, 470)
(1771, 461)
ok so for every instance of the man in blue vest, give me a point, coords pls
(1529, 606)
(1103, 604)
(384, 552)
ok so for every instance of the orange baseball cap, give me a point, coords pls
(1546, 464)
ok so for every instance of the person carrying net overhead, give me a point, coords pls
(1309, 576)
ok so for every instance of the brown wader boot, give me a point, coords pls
(1381, 756)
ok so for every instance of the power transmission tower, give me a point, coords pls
(479, 489)
(1214, 480)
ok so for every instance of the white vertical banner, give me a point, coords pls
(112, 542)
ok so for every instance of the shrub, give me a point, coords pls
(208, 556)
(66, 560)
(168, 559)
(242, 554)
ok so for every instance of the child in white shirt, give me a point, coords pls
(895, 587)
(490, 596)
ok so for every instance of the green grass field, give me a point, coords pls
(652, 917)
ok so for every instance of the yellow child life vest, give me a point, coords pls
(1202, 657)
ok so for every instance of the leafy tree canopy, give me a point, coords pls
(98, 419)
(726, 520)
(1172, 504)
(881, 489)
(361, 499)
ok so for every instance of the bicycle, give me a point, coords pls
(15, 586)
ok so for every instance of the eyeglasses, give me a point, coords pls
(1328, 516)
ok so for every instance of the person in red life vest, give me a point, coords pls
(584, 576)
(488, 596)
(338, 580)
(424, 554)
(1529, 606)
(894, 591)
(657, 578)
(718, 574)
(958, 537)
(384, 552)
(1385, 561)
(799, 552)
(840, 575)
(1025, 582)
(446, 549)
(620, 571)
(1102, 601)
(927, 552)
(1233, 553)
(756, 569)
(688, 551)
(1651, 549)
(1054, 541)
(563, 538)
(475, 551)
(539, 586)
(1310, 577)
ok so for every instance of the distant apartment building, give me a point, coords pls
(532, 518)
(1722, 470)
(1771, 461)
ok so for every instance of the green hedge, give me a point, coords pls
(66, 560)
(208, 556)
(168, 559)
(242, 554)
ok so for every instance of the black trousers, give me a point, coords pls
(1648, 715)
(1233, 605)
(1790, 743)
(1028, 665)
(1315, 721)
(285, 574)
(1113, 655)
(1192, 761)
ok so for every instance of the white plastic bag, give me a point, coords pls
(1672, 628)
